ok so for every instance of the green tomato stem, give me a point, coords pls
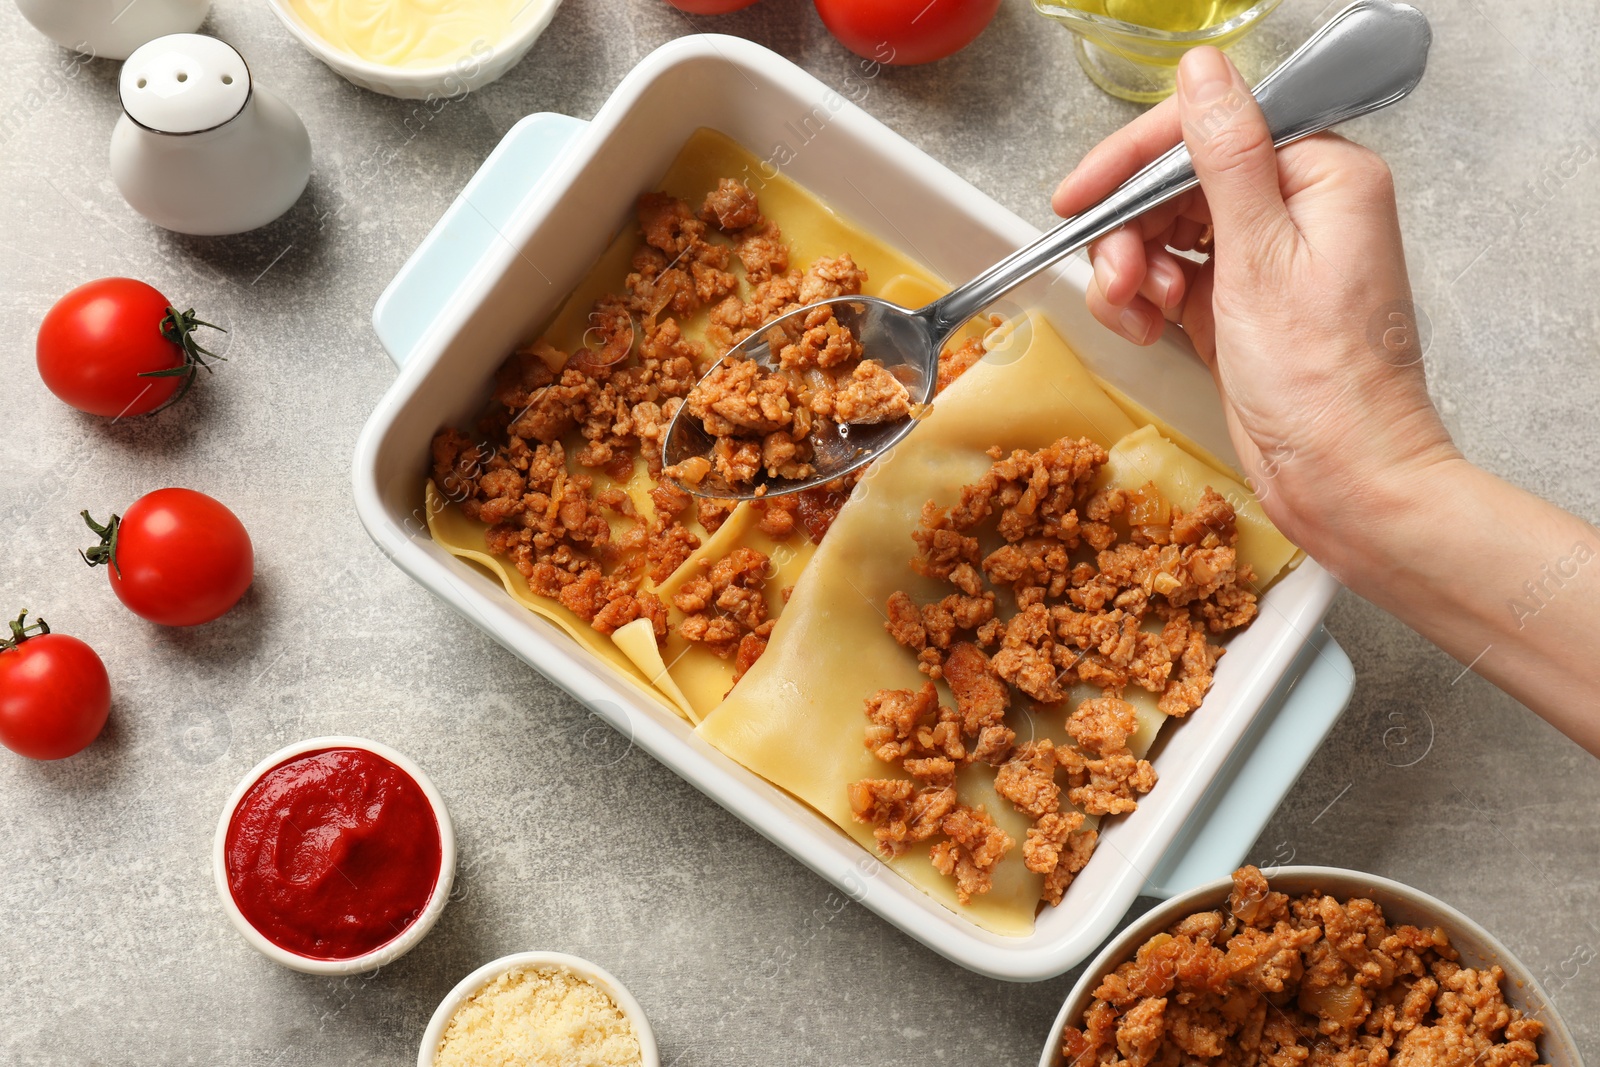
(22, 629)
(106, 551)
(178, 327)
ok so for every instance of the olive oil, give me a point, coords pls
(1131, 48)
(1168, 16)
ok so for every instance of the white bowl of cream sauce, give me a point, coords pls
(417, 49)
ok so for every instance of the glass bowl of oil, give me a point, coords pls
(1131, 48)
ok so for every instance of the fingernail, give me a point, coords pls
(1204, 76)
(1166, 279)
(1104, 276)
(1135, 325)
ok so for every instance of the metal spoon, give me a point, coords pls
(1366, 57)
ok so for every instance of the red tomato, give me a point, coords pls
(177, 557)
(116, 347)
(54, 693)
(902, 32)
(710, 7)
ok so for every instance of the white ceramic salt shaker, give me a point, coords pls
(112, 29)
(200, 149)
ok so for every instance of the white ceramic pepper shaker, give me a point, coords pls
(200, 149)
(112, 29)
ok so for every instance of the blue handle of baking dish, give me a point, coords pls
(1257, 776)
(1261, 771)
(470, 227)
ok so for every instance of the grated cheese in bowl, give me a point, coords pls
(539, 1015)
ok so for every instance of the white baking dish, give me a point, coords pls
(527, 229)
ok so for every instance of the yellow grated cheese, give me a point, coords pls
(539, 1017)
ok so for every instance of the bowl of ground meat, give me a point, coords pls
(1317, 966)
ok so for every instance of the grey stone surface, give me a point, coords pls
(113, 948)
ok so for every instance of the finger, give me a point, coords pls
(1116, 159)
(1233, 154)
(1197, 317)
(1140, 321)
(1118, 260)
(1160, 220)
(1165, 282)
(1185, 232)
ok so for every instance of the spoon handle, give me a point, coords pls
(1366, 57)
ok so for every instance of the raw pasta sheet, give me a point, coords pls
(797, 718)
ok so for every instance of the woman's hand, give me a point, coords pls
(1304, 315)
(1303, 311)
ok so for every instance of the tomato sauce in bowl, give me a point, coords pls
(334, 854)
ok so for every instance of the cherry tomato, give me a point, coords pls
(903, 32)
(710, 7)
(54, 693)
(176, 557)
(117, 347)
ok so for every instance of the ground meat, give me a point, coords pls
(751, 646)
(933, 770)
(817, 507)
(956, 360)
(1028, 779)
(713, 513)
(1102, 725)
(730, 206)
(895, 715)
(871, 396)
(564, 430)
(973, 849)
(981, 695)
(761, 251)
(607, 603)
(905, 622)
(761, 420)
(736, 460)
(726, 604)
(1071, 857)
(831, 277)
(678, 270)
(901, 813)
(1114, 785)
(737, 397)
(1275, 981)
(1058, 848)
(884, 803)
(912, 723)
(823, 343)
(778, 516)
(1113, 589)
(1212, 517)
(770, 415)
(457, 464)
(669, 544)
(1044, 506)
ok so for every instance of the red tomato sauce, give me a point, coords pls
(333, 853)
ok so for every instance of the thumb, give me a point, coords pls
(1231, 145)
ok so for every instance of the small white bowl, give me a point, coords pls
(428, 83)
(649, 1056)
(385, 953)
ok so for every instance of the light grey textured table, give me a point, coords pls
(113, 948)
